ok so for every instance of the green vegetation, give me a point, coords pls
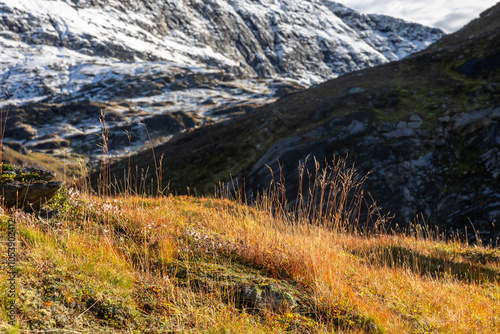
(6, 167)
(21, 177)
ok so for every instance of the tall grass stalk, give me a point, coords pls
(127, 177)
(104, 177)
(158, 169)
(330, 195)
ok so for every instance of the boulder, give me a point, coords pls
(27, 188)
(28, 196)
(264, 296)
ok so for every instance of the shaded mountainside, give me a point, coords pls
(426, 127)
(161, 61)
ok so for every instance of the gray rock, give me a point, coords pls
(45, 175)
(416, 118)
(466, 123)
(28, 196)
(20, 131)
(385, 126)
(18, 147)
(356, 90)
(400, 132)
(265, 296)
(415, 122)
(401, 125)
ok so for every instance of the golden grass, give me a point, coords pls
(126, 253)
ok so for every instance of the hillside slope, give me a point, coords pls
(202, 265)
(427, 128)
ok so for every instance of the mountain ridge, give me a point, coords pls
(143, 59)
(259, 37)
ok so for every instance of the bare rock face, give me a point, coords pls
(305, 40)
(28, 189)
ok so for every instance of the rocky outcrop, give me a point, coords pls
(264, 296)
(27, 188)
(80, 132)
(28, 196)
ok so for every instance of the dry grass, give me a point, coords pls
(168, 264)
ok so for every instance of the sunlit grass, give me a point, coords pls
(124, 264)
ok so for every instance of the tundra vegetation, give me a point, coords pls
(179, 263)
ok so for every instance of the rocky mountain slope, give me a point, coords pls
(174, 64)
(426, 127)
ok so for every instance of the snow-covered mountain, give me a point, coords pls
(148, 58)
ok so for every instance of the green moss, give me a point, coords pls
(22, 177)
(4, 222)
(27, 177)
(5, 167)
(401, 91)
(6, 178)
